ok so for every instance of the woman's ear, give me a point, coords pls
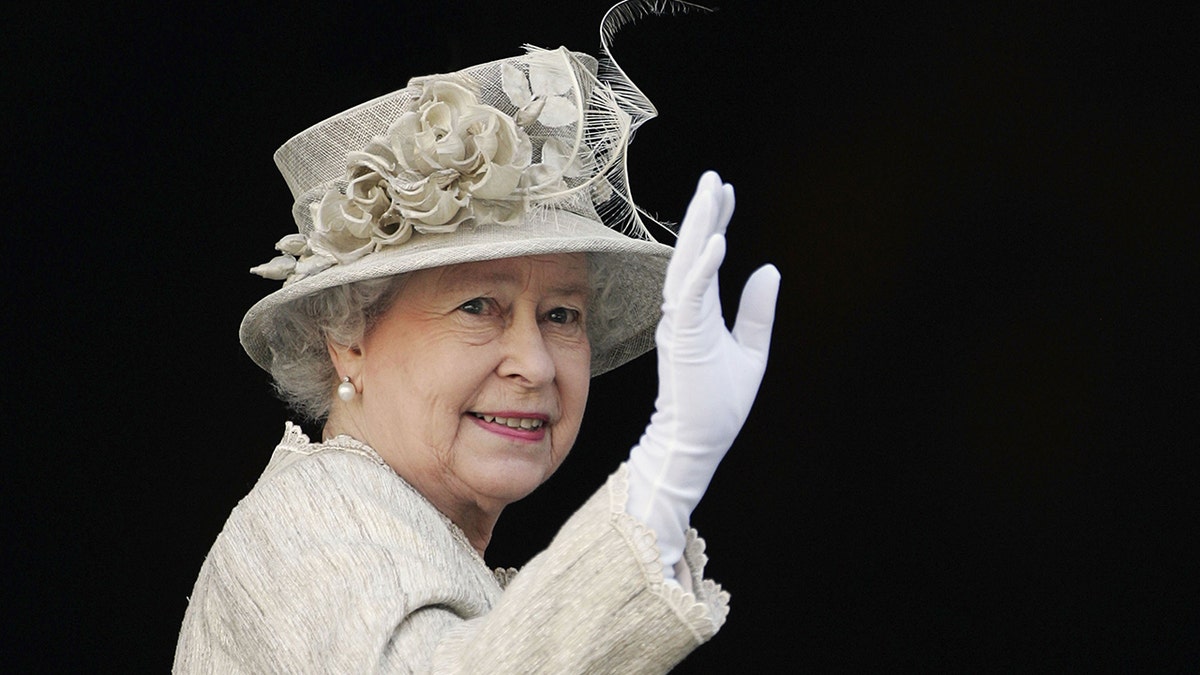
(347, 359)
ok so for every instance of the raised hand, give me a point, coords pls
(708, 375)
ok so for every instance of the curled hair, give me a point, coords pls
(304, 374)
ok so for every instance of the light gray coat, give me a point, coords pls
(333, 563)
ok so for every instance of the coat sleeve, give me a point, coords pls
(593, 601)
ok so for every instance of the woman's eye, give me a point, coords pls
(563, 315)
(474, 306)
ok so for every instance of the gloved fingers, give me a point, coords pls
(723, 199)
(702, 211)
(727, 202)
(756, 310)
(708, 212)
(700, 290)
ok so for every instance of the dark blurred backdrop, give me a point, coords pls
(973, 450)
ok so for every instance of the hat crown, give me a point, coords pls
(521, 156)
(489, 144)
(316, 157)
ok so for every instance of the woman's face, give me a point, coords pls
(474, 382)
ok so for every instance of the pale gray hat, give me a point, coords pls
(521, 156)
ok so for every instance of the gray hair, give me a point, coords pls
(304, 375)
(300, 364)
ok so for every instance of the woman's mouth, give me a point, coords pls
(527, 423)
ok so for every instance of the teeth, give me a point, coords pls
(512, 422)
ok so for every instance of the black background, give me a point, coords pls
(973, 449)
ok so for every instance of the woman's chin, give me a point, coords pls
(510, 480)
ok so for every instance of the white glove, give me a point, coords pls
(707, 376)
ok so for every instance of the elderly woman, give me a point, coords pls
(468, 258)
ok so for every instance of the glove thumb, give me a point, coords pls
(756, 310)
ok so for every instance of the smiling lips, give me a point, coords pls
(526, 423)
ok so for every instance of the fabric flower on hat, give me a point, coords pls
(545, 95)
(542, 94)
(424, 174)
(449, 159)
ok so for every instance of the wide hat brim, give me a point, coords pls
(629, 293)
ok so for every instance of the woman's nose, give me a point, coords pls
(527, 357)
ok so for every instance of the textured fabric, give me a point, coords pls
(333, 563)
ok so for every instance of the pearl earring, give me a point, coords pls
(346, 390)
